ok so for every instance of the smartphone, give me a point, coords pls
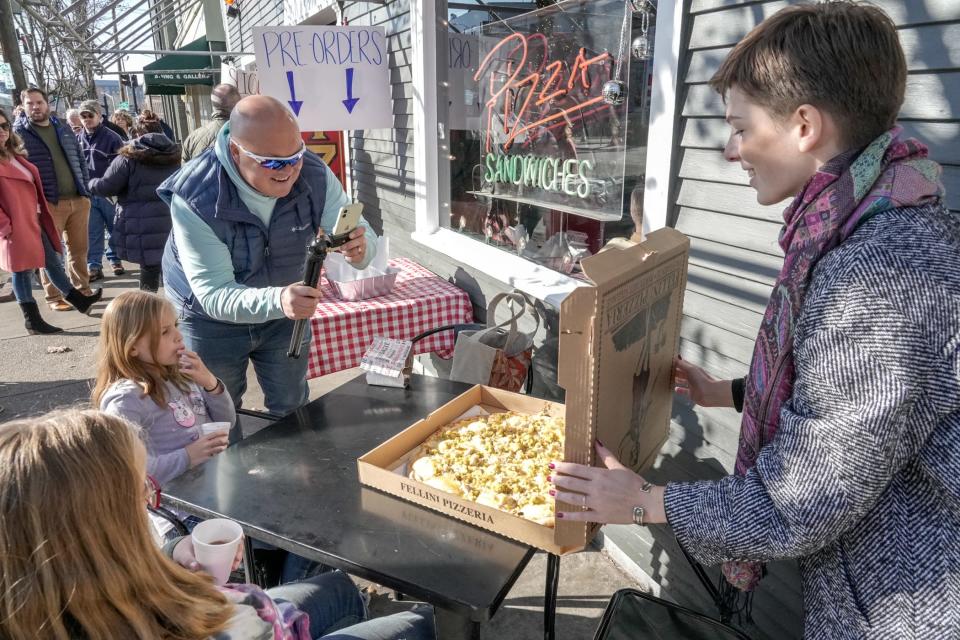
(347, 221)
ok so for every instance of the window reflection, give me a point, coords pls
(537, 163)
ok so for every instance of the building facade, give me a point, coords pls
(403, 175)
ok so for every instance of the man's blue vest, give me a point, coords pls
(262, 256)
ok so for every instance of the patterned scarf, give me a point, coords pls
(891, 172)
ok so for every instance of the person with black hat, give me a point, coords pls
(99, 146)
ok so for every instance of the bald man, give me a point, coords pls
(224, 98)
(243, 213)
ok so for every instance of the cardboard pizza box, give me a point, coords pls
(618, 337)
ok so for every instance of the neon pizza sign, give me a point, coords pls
(547, 136)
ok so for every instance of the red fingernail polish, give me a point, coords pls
(559, 515)
(552, 492)
(552, 466)
(549, 478)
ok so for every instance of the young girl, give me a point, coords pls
(147, 376)
(77, 559)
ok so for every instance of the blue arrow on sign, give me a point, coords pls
(350, 102)
(293, 102)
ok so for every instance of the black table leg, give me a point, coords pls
(550, 596)
(250, 566)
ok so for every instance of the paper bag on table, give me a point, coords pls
(342, 271)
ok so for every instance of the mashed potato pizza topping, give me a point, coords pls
(499, 460)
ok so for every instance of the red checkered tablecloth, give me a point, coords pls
(342, 331)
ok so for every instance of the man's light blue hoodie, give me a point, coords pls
(206, 260)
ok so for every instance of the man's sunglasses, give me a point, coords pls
(273, 162)
(5, 126)
(86, 114)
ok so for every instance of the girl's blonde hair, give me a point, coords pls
(128, 317)
(77, 556)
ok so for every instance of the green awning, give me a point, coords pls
(174, 83)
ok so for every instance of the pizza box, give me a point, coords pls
(618, 338)
(382, 468)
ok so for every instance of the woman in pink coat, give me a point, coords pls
(28, 237)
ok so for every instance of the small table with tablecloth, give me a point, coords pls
(342, 331)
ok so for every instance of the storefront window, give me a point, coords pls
(537, 155)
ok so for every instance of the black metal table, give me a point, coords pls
(294, 485)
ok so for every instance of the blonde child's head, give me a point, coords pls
(139, 341)
(77, 556)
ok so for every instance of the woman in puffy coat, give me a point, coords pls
(143, 219)
(28, 236)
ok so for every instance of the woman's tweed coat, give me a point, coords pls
(862, 480)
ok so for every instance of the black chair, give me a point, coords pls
(169, 516)
(634, 615)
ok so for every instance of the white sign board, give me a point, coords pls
(246, 82)
(332, 77)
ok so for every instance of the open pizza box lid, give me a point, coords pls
(618, 339)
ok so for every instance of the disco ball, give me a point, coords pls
(614, 92)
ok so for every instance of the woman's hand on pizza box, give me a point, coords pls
(609, 493)
(698, 385)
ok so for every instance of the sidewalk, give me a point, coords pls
(40, 373)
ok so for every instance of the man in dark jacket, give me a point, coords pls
(100, 146)
(53, 148)
(224, 98)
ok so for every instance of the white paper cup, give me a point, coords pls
(215, 545)
(212, 427)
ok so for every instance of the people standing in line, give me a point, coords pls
(124, 122)
(99, 146)
(73, 119)
(224, 98)
(142, 223)
(55, 151)
(243, 214)
(28, 236)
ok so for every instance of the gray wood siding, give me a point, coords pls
(253, 13)
(735, 258)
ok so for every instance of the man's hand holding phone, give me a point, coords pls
(355, 249)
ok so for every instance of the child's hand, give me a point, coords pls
(206, 447)
(186, 557)
(192, 366)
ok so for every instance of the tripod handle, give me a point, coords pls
(312, 265)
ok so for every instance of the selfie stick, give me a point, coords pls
(316, 253)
